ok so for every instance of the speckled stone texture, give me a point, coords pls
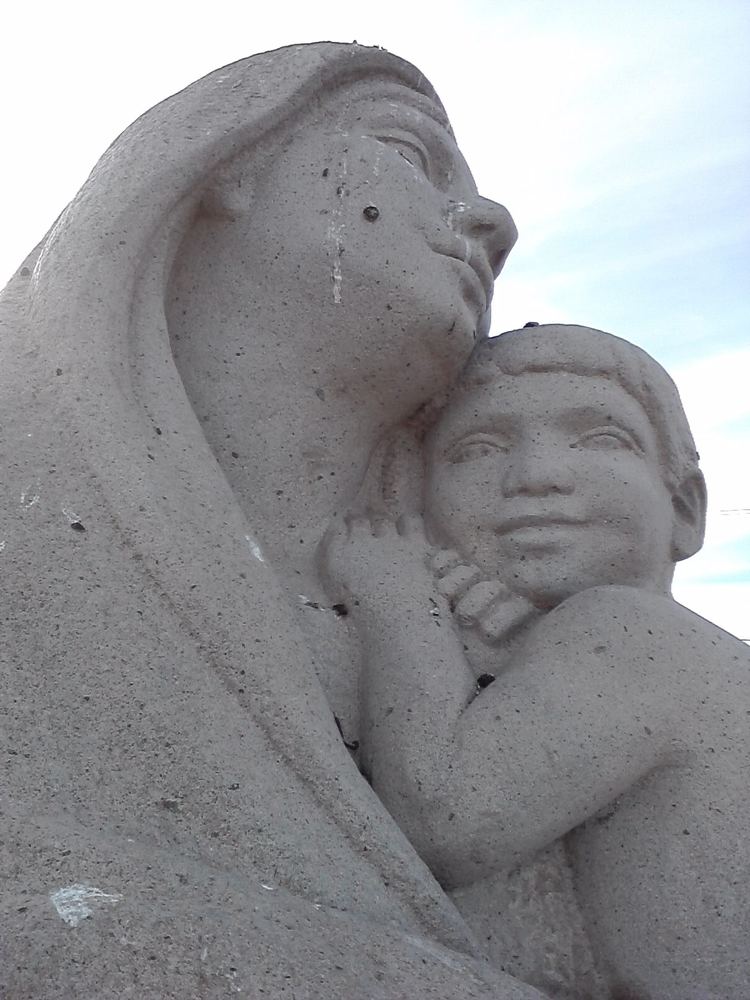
(328, 670)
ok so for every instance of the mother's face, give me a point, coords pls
(365, 233)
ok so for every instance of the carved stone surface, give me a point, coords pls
(288, 708)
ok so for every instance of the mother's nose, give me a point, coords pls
(490, 224)
(536, 471)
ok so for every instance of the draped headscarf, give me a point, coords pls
(155, 689)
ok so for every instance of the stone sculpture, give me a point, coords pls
(212, 365)
(564, 744)
(261, 276)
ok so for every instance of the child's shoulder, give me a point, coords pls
(633, 614)
(722, 647)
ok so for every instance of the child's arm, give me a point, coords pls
(480, 781)
(411, 651)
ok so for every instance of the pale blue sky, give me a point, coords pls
(616, 133)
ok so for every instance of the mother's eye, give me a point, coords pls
(410, 150)
(473, 448)
(607, 439)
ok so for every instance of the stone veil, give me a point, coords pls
(170, 758)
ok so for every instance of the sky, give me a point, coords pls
(616, 133)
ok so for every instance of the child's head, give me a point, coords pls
(563, 460)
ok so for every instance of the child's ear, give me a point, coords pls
(689, 526)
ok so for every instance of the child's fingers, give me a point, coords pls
(444, 560)
(457, 581)
(503, 616)
(478, 599)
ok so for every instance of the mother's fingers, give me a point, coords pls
(370, 496)
(412, 526)
(402, 472)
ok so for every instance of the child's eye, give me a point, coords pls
(607, 439)
(474, 448)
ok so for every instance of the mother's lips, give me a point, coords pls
(476, 260)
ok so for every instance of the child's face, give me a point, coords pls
(551, 482)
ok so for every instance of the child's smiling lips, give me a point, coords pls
(537, 520)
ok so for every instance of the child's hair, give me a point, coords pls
(580, 350)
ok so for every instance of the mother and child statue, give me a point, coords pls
(339, 657)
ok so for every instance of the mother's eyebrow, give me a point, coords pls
(431, 111)
(385, 98)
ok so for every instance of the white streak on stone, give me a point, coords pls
(335, 239)
(75, 903)
(335, 233)
(336, 275)
(378, 156)
(255, 549)
(269, 888)
(455, 208)
(29, 501)
(2, 545)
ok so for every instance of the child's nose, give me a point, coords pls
(537, 470)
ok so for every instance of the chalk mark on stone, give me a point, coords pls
(75, 903)
(255, 549)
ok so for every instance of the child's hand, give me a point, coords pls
(485, 605)
(377, 563)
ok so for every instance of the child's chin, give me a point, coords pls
(546, 594)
